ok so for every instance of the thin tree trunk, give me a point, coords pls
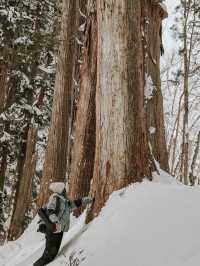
(121, 155)
(4, 154)
(56, 153)
(3, 168)
(185, 136)
(176, 137)
(169, 147)
(192, 176)
(3, 87)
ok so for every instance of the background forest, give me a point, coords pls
(86, 98)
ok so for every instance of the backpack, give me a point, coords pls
(63, 210)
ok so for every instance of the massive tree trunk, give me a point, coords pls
(24, 187)
(121, 155)
(82, 158)
(155, 114)
(56, 153)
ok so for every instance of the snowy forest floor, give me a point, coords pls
(148, 224)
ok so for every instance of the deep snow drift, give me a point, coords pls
(148, 224)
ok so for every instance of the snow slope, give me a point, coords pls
(148, 224)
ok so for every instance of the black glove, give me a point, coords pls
(162, 51)
(93, 201)
(42, 228)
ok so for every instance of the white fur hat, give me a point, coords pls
(57, 187)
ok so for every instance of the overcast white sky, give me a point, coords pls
(168, 41)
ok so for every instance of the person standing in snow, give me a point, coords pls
(56, 220)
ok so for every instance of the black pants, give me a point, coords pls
(53, 242)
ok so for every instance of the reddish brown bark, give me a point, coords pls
(121, 155)
(24, 187)
(155, 114)
(56, 153)
(82, 159)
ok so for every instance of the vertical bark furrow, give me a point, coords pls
(84, 135)
(154, 109)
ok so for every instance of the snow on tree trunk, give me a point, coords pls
(3, 168)
(155, 114)
(3, 87)
(56, 153)
(75, 92)
(121, 136)
(24, 189)
(82, 158)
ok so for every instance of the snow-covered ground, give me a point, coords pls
(148, 224)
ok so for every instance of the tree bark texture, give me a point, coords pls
(3, 156)
(175, 139)
(154, 109)
(83, 150)
(3, 167)
(185, 134)
(121, 155)
(56, 153)
(192, 176)
(3, 87)
(24, 189)
(75, 92)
